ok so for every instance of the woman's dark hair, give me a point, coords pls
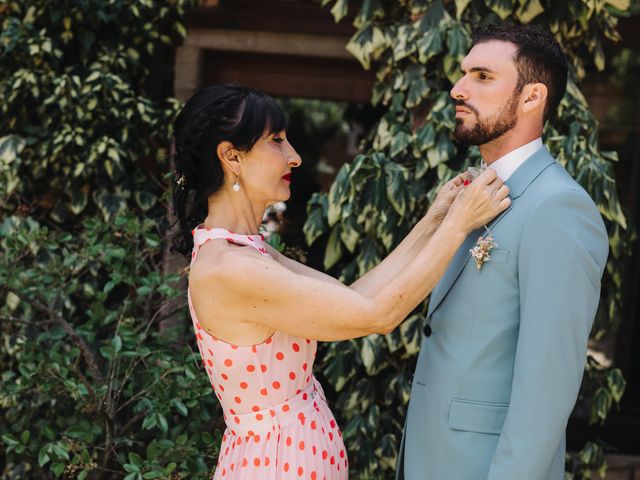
(539, 58)
(230, 112)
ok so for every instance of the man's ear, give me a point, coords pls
(229, 156)
(535, 96)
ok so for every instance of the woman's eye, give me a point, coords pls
(482, 76)
(278, 139)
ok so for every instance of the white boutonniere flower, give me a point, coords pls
(482, 251)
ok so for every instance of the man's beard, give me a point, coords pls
(485, 131)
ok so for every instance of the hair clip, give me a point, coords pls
(180, 179)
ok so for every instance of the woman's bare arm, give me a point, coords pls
(248, 288)
(371, 282)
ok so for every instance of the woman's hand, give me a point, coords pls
(445, 197)
(479, 202)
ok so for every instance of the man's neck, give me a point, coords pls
(498, 148)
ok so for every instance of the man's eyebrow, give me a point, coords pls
(477, 69)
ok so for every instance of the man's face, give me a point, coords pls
(486, 97)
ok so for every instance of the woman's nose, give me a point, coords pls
(294, 159)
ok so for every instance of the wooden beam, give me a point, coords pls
(188, 71)
(269, 42)
(290, 76)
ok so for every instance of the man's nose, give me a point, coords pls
(458, 91)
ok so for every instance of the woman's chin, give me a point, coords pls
(281, 197)
(285, 194)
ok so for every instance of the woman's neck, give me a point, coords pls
(235, 212)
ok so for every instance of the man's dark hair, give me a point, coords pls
(539, 58)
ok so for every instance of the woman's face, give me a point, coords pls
(265, 170)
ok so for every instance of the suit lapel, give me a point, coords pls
(517, 183)
(453, 272)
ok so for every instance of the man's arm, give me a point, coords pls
(562, 256)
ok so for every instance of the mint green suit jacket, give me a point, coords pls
(498, 377)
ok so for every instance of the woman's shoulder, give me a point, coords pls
(225, 264)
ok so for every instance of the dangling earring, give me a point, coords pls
(236, 185)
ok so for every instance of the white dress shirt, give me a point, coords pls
(509, 163)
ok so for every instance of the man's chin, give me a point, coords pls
(464, 136)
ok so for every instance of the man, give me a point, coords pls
(505, 342)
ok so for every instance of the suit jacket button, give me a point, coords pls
(427, 330)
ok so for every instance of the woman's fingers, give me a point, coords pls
(487, 177)
(502, 192)
(459, 179)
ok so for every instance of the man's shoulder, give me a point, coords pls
(556, 198)
(555, 186)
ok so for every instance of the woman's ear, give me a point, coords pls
(229, 156)
(535, 95)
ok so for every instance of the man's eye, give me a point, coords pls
(482, 76)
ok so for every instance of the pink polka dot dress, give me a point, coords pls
(279, 425)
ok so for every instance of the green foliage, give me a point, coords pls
(90, 385)
(96, 379)
(416, 47)
(76, 114)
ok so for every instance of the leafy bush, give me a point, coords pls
(78, 103)
(90, 384)
(95, 382)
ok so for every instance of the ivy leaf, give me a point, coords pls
(387, 451)
(418, 90)
(79, 200)
(10, 148)
(369, 256)
(434, 18)
(369, 353)
(457, 42)
(429, 45)
(529, 10)
(600, 406)
(334, 249)
(338, 194)
(411, 333)
(340, 10)
(366, 44)
(622, 5)
(502, 8)
(616, 383)
(461, 6)
(396, 188)
(316, 223)
(350, 233)
(145, 200)
(370, 9)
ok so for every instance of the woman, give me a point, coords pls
(257, 314)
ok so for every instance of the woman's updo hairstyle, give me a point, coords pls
(230, 112)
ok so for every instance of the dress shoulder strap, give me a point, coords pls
(202, 235)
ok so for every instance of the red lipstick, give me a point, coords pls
(287, 177)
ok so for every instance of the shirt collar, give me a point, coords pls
(509, 163)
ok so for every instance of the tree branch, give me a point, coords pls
(85, 351)
(135, 419)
